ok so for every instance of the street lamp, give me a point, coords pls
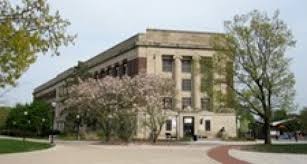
(25, 113)
(42, 127)
(78, 126)
(53, 104)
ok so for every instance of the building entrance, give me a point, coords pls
(188, 126)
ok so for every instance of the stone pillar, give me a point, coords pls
(178, 81)
(57, 108)
(196, 83)
(158, 63)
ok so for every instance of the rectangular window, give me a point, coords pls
(186, 64)
(168, 126)
(125, 69)
(109, 71)
(96, 75)
(205, 104)
(167, 103)
(186, 85)
(186, 102)
(102, 73)
(167, 63)
(207, 125)
(117, 70)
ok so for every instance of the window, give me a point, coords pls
(186, 102)
(117, 70)
(167, 103)
(167, 63)
(205, 104)
(207, 125)
(168, 126)
(186, 85)
(96, 75)
(125, 68)
(102, 73)
(109, 71)
(186, 64)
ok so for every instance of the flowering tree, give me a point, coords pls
(152, 89)
(114, 99)
(103, 98)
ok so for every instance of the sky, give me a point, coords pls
(101, 24)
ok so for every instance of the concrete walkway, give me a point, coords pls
(268, 158)
(200, 152)
(101, 154)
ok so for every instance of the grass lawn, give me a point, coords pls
(14, 146)
(278, 148)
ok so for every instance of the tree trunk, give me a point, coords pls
(267, 135)
(155, 138)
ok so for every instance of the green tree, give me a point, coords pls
(28, 28)
(303, 119)
(4, 112)
(34, 118)
(279, 115)
(257, 43)
(245, 118)
(40, 114)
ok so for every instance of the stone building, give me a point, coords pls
(181, 55)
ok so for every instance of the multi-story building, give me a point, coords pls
(185, 56)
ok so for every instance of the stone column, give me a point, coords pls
(178, 81)
(158, 63)
(57, 107)
(196, 83)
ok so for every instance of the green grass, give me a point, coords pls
(278, 148)
(15, 146)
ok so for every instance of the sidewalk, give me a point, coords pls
(268, 158)
(221, 154)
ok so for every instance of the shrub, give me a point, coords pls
(126, 127)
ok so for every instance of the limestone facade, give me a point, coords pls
(169, 53)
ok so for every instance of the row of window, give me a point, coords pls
(169, 125)
(186, 102)
(168, 62)
(117, 70)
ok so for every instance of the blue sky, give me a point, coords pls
(101, 24)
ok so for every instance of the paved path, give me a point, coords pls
(221, 154)
(269, 158)
(74, 152)
(99, 154)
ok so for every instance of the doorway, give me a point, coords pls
(188, 126)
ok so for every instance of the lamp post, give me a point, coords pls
(25, 113)
(52, 126)
(42, 128)
(78, 126)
